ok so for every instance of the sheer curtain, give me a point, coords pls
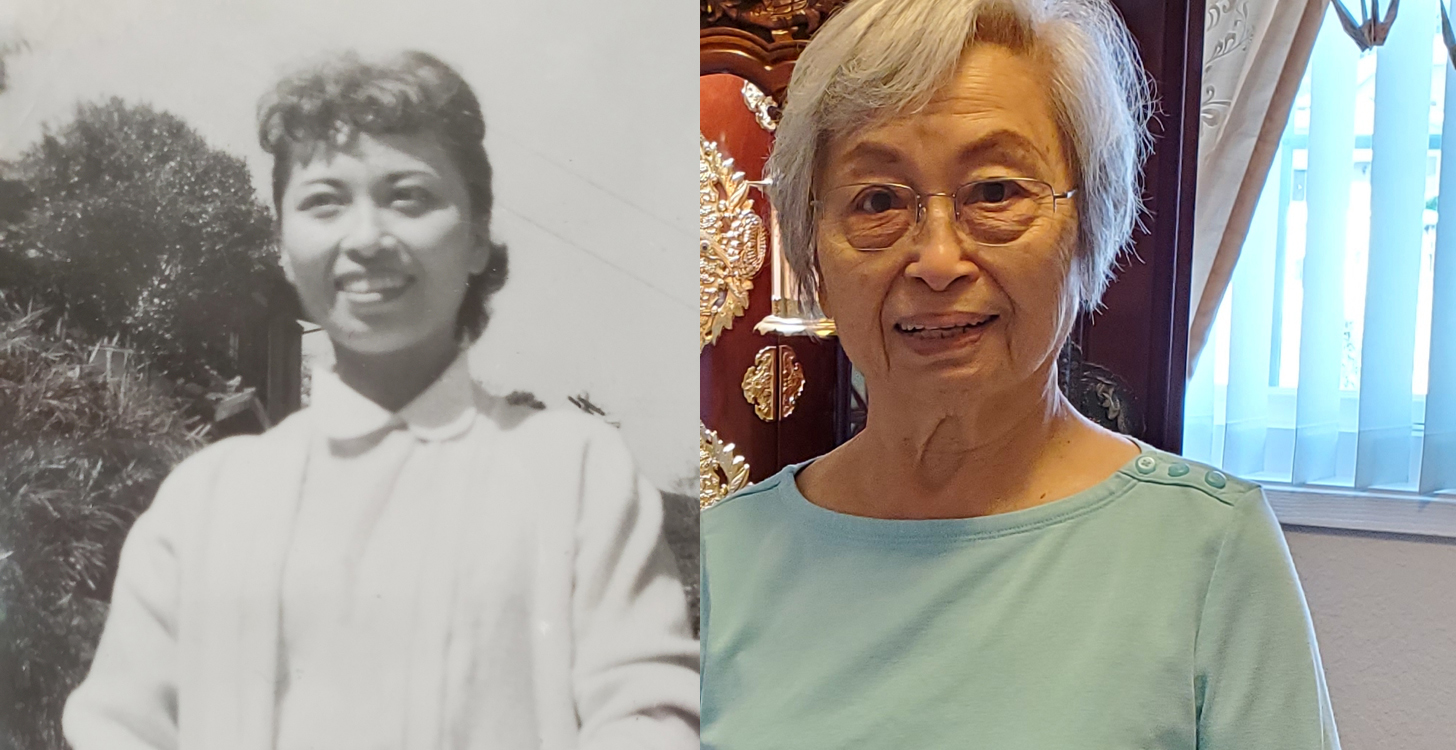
(1255, 53)
(1332, 354)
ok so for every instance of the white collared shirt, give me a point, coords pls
(443, 411)
(367, 509)
(461, 575)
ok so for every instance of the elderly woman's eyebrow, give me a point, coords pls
(1004, 146)
(874, 153)
(1009, 146)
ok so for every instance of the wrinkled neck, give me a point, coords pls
(965, 456)
(928, 433)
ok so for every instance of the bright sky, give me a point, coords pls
(591, 111)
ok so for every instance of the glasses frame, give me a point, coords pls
(922, 198)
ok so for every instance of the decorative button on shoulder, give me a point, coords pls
(1178, 470)
(1216, 480)
(1146, 464)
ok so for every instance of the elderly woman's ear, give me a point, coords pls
(821, 292)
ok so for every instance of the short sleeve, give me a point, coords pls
(1259, 681)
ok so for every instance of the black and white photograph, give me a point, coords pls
(347, 386)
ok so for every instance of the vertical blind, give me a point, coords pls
(1333, 357)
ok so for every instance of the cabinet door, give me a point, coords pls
(1141, 334)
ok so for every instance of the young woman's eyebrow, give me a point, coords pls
(331, 182)
(404, 174)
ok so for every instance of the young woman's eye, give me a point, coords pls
(410, 198)
(318, 201)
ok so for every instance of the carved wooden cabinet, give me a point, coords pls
(770, 390)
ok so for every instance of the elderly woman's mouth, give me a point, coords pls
(944, 334)
(943, 328)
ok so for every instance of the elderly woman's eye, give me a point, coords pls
(991, 191)
(876, 200)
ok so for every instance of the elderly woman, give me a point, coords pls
(981, 566)
(410, 562)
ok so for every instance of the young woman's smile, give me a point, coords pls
(365, 288)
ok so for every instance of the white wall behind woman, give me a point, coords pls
(591, 110)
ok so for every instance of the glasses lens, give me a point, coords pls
(872, 217)
(998, 212)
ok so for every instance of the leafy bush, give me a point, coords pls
(82, 452)
(135, 225)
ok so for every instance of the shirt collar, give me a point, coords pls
(443, 411)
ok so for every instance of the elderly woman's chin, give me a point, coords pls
(987, 375)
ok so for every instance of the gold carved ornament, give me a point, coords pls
(765, 110)
(721, 472)
(774, 390)
(732, 243)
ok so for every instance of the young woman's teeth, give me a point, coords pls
(372, 284)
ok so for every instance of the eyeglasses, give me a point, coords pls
(874, 216)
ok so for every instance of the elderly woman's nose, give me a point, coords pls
(939, 252)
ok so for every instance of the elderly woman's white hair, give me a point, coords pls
(881, 58)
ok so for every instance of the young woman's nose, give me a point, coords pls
(365, 235)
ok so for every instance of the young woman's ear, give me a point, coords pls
(287, 264)
(283, 260)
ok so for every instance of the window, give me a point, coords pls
(1330, 375)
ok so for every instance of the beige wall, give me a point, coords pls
(1384, 610)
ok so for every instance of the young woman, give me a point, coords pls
(410, 562)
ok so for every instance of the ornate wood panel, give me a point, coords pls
(731, 135)
(774, 397)
(758, 40)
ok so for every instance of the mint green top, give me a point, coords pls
(1158, 610)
